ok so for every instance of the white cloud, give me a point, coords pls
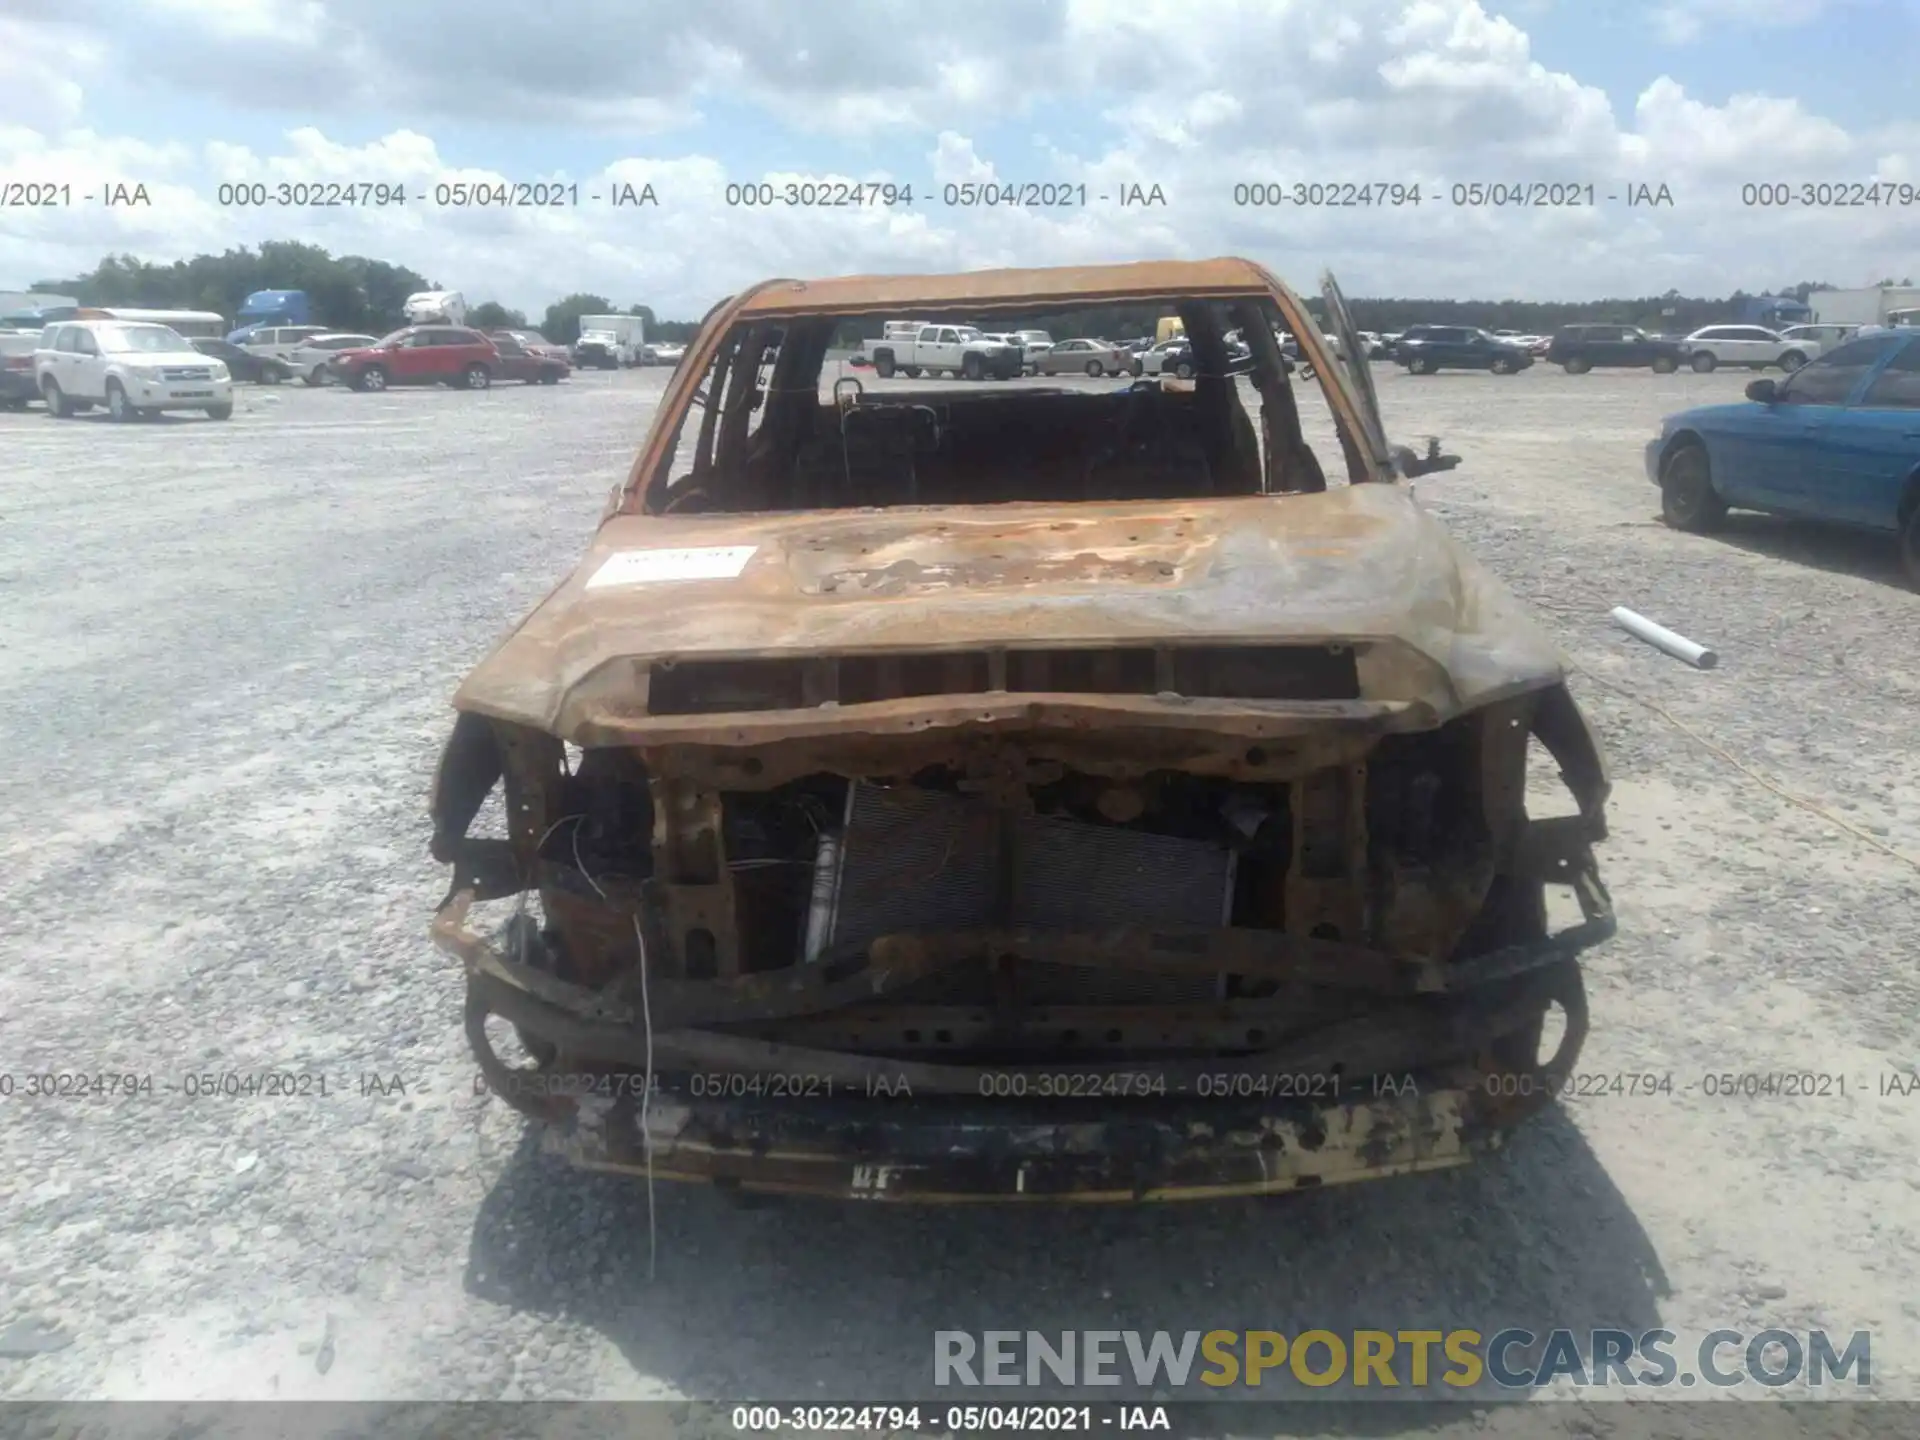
(1682, 22)
(1750, 137)
(43, 69)
(300, 21)
(954, 160)
(1434, 91)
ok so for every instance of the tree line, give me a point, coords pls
(348, 292)
(355, 293)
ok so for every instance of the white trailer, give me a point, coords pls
(1863, 307)
(429, 307)
(26, 305)
(11, 300)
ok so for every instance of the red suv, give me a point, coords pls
(421, 355)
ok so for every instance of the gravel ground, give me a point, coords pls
(226, 660)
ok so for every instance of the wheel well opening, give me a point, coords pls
(1680, 441)
(1910, 497)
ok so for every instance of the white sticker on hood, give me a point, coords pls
(652, 567)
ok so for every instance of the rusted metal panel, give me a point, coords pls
(1214, 1153)
(1005, 289)
(1118, 737)
(1358, 565)
(1219, 730)
(1263, 954)
(1323, 898)
(690, 862)
(1388, 1037)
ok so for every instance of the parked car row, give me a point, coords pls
(1580, 348)
(1033, 346)
(914, 348)
(450, 355)
(1424, 349)
(136, 369)
(1165, 357)
(278, 342)
(245, 365)
(313, 356)
(18, 387)
(1090, 357)
(917, 347)
(962, 351)
(1750, 345)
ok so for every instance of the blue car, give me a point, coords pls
(1837, 440)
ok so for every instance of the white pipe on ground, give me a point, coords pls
(1661, 638)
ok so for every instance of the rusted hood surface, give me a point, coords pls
(1363, 564)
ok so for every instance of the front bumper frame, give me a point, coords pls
(1119, 1152)
(780, 1119)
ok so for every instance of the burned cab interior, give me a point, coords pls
(770, 435)
(1189, 859)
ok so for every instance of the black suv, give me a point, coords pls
(1424, 349)
(1582, 347)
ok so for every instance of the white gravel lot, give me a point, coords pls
(224, 672)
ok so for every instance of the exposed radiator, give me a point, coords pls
(910, 859)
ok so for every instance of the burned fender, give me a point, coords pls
(471, 764)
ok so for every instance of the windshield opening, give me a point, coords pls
(784, 420)
(143, 339)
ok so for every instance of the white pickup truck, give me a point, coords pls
(961, 349)
(609, 341)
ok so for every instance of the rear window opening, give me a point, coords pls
(780, 421)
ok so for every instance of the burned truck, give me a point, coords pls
(1032, 791)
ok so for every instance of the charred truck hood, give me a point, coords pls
(1363, 566)
(1103, 849)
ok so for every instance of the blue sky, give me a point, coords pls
(1849, 62)
(1701, 94)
